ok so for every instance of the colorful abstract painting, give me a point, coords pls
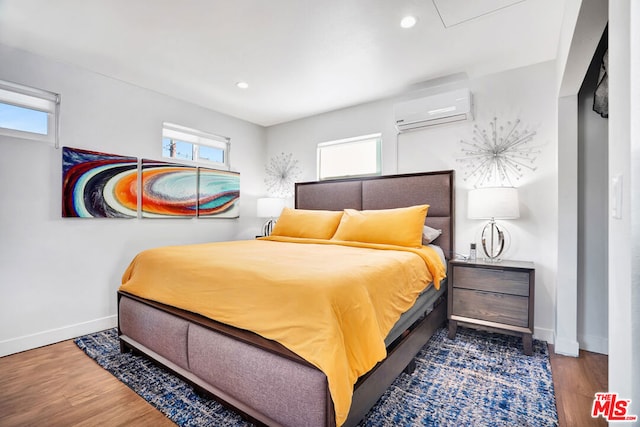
(168, 190)
(98, 185)
(218, 193)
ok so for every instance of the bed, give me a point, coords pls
(265, 380)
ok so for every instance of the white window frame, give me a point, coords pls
(33, 99)
(198, 138)
(344, 142)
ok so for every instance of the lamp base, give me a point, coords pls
(493, 241)
(267, 228)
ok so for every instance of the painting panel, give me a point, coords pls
(218, 193)
(98, 185)
(169, 190)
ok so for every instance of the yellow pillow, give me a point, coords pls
(310, 224)
(400, 227)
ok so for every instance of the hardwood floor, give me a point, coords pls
(59, 385)
(576, 380)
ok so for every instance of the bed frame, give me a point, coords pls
(261, 379)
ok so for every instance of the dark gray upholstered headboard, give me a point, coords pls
(384, 192)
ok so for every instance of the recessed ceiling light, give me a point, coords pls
(408, 21)
(242, 85)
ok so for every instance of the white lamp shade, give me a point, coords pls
(493, 202)
(270, 207)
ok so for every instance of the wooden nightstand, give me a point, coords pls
(493, 296)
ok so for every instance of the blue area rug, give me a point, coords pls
(477, 379)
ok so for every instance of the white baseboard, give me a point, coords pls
(543, 334)
(594, 343)
(566, 347)
(51, 336)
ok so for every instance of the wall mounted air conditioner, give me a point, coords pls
(447, 107)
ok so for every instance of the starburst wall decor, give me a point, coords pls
(498, 155)
(282, 172)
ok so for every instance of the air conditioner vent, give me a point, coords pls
(447, 107)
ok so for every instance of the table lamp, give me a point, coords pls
(493, 203)
(269, 207)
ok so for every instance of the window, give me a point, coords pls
(359, 156)
(179, 142)
(27, 112)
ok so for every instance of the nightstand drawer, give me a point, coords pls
(492, 307)
(492, 280)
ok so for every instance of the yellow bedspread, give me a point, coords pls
(332, 304)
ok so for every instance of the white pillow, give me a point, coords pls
(429, 234)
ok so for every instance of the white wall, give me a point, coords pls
(529, 94)
(633, 306)
(593, 147)
(583, 24)
(566, 334)
(58, 277)
(624, 231)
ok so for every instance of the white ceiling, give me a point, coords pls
(300, 57)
